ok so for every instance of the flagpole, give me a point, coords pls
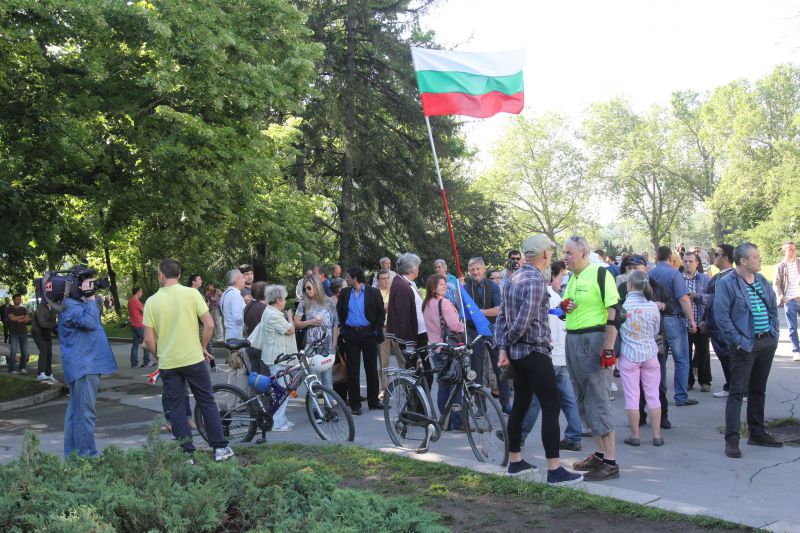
(444, 197)
(449, 225)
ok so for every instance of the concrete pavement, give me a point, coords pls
(689, 474)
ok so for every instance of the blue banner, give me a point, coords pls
(473, 312)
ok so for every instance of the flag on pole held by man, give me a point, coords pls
(476, 84)
(472, 310)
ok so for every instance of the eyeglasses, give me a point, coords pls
(308, 288)
(717, 254)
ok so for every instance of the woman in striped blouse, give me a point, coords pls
(639, 357)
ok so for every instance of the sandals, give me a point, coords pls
(633, 441)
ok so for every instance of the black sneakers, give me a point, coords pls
(562, 476)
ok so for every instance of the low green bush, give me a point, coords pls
(154, 489)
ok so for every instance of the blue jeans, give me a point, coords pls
(80, 418)
(676, 338)
(568, 405)
(443, 393)
(138, 338)
(19, 341)
(791, 309)
(199, 380)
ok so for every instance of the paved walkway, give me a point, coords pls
(689, 474)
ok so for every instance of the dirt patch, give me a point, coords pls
(786, 431)
(468, 513)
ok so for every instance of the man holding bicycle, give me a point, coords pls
(170, 334)
(523, 335)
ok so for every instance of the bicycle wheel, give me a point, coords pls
(328, 415)
(483, 419)
(237, 412)
(403, 395)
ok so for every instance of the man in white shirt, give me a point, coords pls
(386, 264)
(787, 290)
(232, 305)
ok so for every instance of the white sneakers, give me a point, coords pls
(795, 356)
(222, 454)
(721, 394)
(287, 427)
(46, 377)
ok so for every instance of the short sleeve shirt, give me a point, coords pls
(325, 312)
(672, 282)
(17, 328)
(172, 312)
(590, 310)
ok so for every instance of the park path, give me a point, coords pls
(689, 474)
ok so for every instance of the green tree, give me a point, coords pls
(540, 171)
(630, 153)
(145, 122)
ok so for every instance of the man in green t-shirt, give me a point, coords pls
(170, 334)
(589, 346)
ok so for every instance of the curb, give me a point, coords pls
(626, 495)
(36, 399)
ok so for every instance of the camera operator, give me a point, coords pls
(513, 263)
(86, 355)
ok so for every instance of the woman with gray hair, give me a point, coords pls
(276, 337)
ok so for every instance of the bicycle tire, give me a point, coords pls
(328, 421)
(237, 414)
(482, 421)
(401, 393)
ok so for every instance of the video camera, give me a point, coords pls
(512, 265)
(54, 285)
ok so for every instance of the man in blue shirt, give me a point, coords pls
(361, 319)
(85, 354)
(676, 323)
(746, 315)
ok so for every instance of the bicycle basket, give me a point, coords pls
(451, 372)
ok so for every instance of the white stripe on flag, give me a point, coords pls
(502, 63)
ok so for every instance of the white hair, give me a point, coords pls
(407, 262)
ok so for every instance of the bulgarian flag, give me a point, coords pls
(469, 83)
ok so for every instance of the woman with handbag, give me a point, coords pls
(252, 317)
(443, 325)
(316, 313)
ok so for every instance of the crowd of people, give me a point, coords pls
(566, 327)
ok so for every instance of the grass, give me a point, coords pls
(13, 388)
(117, 331)
(393, 473)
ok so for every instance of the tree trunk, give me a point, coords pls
(718, 233)
(112, 276)
(260, 263)
(300, 169)
(346, 204)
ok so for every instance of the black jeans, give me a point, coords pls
(749, 374)
(44, 341)
(534, 374)
(700, 358)
(356, 342)
(478, 358)
(662, 388)
(724, 356)
(199, 379)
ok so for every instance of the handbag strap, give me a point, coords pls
(442, 324)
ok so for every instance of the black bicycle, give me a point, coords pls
(243, 413)
(409, 411)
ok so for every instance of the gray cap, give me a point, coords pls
(537, 244)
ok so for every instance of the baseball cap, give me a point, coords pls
(537, 244)
(636, 260)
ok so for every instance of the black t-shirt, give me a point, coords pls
(17, 328)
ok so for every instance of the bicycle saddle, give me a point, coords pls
(236, 344)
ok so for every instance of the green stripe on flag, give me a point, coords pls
(432, 81)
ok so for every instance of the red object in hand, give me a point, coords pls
(152, 378)
(607, 359)
(564, 304)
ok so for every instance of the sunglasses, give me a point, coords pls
(308, 288)
(717, 254)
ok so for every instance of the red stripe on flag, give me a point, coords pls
(472, 105)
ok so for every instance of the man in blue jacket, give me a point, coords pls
(746, 315)
(86, 355)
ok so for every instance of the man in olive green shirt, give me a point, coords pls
(170, 334)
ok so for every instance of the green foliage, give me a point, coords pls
(154, 489)
(539, 169)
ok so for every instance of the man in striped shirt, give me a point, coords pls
(746, 314)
